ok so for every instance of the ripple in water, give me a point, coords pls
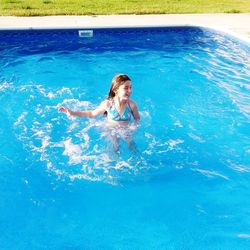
(77, 148)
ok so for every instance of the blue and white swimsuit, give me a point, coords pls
(114, 115)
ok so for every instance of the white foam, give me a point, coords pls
(41, 90)
(38, 133)
(244, 236)
(45, 141)
(73, 151)
(173, 143)
(145, 114)
(20, 119)
(76, 103)
(177, 123)
(86, 140)
(64, 90)
(5, 86)
(209, 173)
(85, 177)
(39, 110)
(239, 167)
(196, 137)
(122, 165)
(48, 125)
(72, 126)
(50, 95)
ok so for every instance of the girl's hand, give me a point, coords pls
(65, 110)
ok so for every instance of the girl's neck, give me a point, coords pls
(119, 101)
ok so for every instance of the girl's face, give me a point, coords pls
(124, 91)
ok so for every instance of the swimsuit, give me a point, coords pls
(114, 115)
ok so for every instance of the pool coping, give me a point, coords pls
(236, 25)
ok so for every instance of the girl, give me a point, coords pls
(118, 107)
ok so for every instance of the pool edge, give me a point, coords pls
(235, 25)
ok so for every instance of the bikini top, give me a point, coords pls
(114, 115)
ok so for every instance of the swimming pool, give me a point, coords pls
(188, 185)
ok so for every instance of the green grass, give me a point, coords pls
(101, 7)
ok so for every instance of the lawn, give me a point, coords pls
(101, 7)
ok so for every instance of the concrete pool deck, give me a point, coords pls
(234, 24)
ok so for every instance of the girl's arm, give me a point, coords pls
(135, 111)
(88, 113)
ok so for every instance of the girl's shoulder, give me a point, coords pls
(132, 104)
(106, 103)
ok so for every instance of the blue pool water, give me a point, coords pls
(187, 187)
